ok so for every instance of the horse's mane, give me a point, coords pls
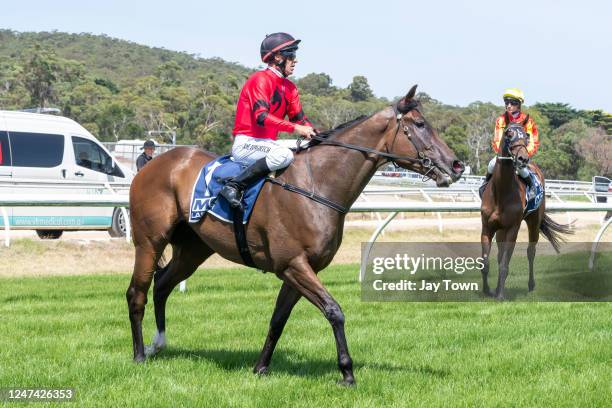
(346, 125)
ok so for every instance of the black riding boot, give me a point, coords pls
(484, 184)
(234, 188)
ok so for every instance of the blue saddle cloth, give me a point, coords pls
(208, 185)
(538, 197)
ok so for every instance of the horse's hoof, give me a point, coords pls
(347, 382)
(152, 350)
(500, 298)
(139, 359)
(531, 287)
(487, 293)
(263, 370)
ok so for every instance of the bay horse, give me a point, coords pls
(502, 211)
(288, 234)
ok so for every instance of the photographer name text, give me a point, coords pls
(424, 286)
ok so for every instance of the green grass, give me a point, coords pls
(74, 331)
(580, 198)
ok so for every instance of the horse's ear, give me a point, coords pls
(407, 102)
(411, 93)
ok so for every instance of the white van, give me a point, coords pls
(53, 148)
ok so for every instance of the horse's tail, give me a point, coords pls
(553, 231)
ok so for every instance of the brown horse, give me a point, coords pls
(288, 234)
(502, 211)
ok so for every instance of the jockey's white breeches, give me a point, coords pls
(248, 149)
(523, 171)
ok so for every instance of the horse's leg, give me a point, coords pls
(506, 241)
(145, 264)
(287, 298)
(485, 240)
(186, 258)
(301, 276)
(533, 223)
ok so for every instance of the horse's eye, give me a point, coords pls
(420, 124)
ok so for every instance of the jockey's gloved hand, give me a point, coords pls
(305, 131)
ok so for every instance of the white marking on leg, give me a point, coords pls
(158, 343)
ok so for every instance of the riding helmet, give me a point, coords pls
(514, 93)
(277, 42)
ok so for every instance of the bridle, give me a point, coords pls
(519, 134)
(421, 158)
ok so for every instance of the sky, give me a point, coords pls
(456, 51)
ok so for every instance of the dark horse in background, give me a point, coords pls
(287, 234)
(502, 211)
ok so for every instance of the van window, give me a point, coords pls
(36, 149)
(91, 156)
(5, 151)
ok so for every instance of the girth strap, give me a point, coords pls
(314, 197)
(241, 241)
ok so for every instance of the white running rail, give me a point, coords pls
(393, 208)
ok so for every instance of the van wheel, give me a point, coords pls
(49, 234)
(118, 227)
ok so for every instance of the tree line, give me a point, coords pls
(120, 90)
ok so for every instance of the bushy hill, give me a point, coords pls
(117, 60)
(120, 90)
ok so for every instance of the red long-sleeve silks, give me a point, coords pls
(266, 98)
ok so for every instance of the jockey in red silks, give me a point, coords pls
(266, 99)
(513, 99)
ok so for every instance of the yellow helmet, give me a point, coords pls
(514, 93)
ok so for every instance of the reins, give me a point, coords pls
(310, 194)
(426, 162)
(422, 159)
(512, 156)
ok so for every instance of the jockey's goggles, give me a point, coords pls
(513, 102)
(291, 55)
(289, 52)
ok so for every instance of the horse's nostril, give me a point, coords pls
(458, 167)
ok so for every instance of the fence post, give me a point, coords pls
(368, 247)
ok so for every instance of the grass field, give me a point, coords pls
(73, 331)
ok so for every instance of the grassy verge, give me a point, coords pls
(74, 331)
